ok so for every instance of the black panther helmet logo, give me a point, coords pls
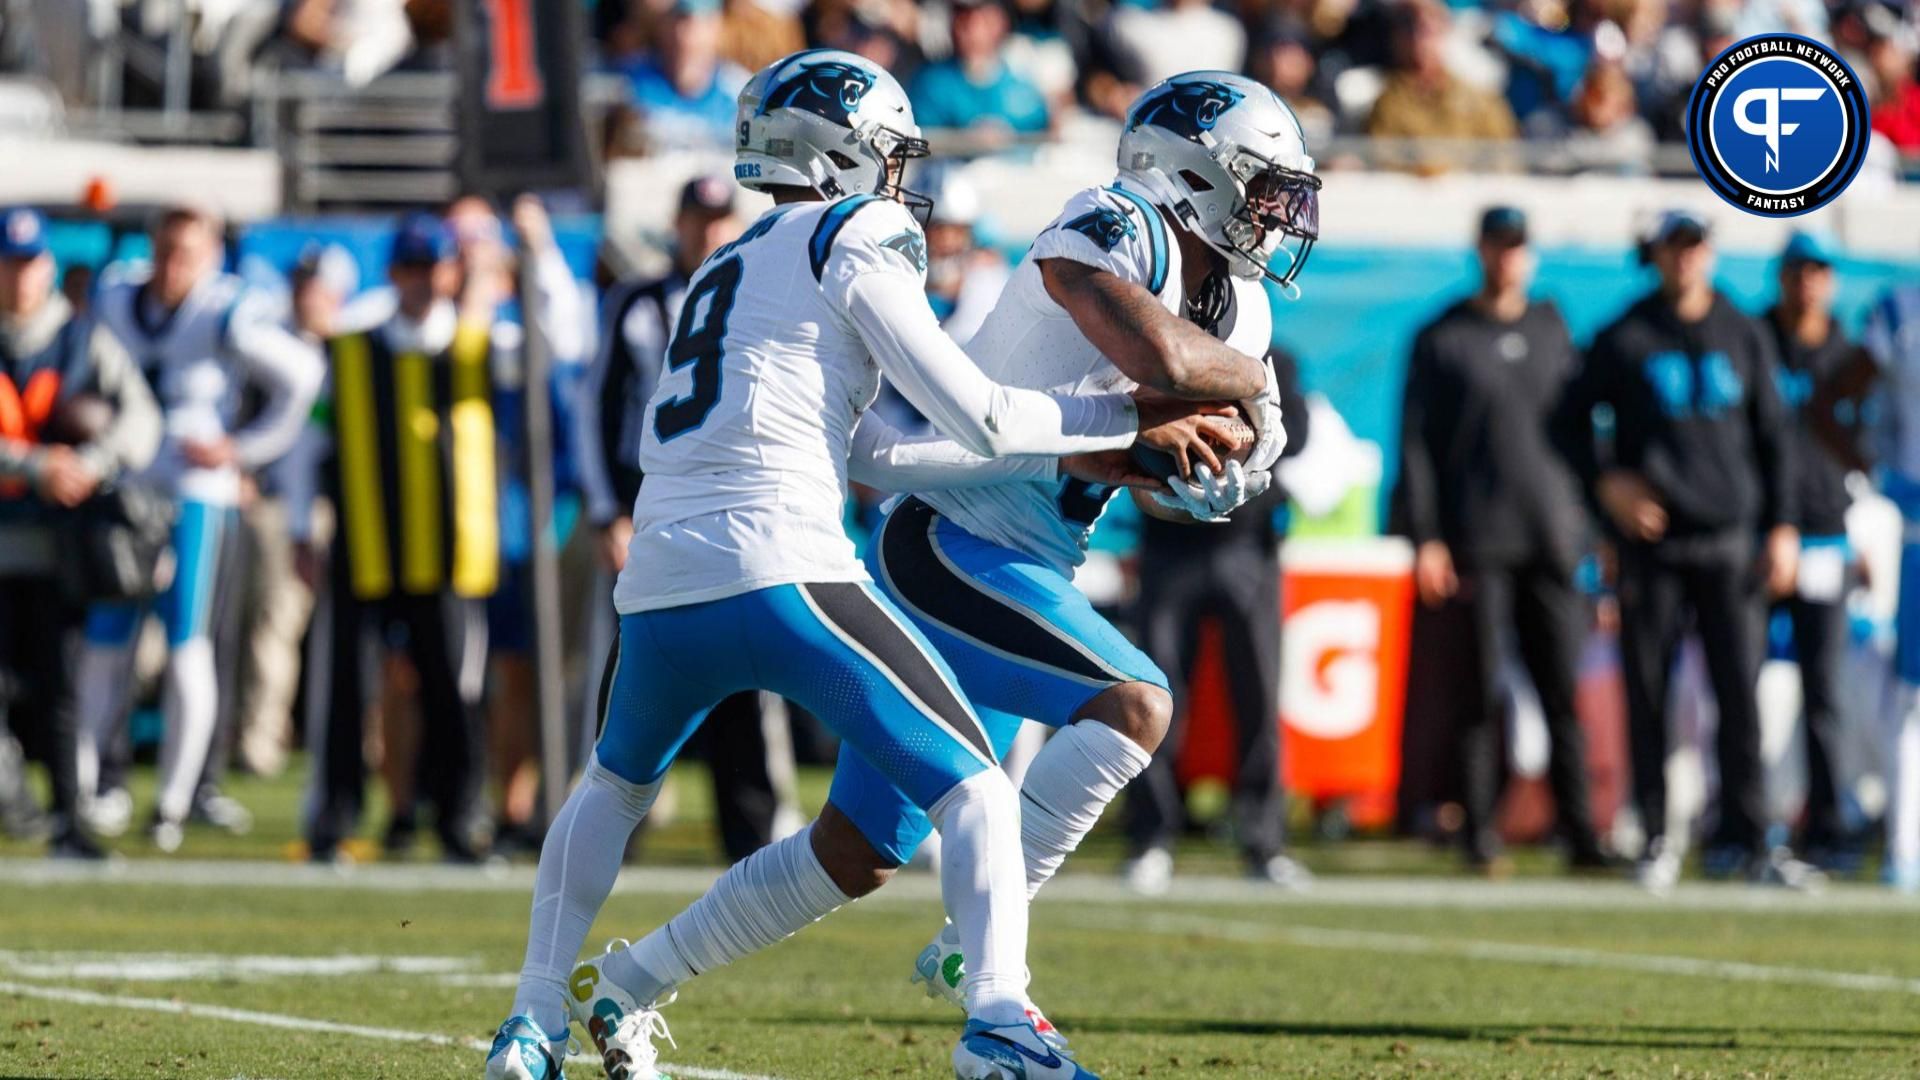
(1102, 226)
(1186, 108)
(830, 88)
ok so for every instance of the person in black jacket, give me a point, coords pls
(1697, 465)
(1816, 357)
(1228, 572)
(1496, 522)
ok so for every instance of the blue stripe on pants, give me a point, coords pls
(186, 607)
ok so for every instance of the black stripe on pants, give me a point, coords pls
(1712, 585)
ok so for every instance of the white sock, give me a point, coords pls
(1903, 779)
(193, 703)
(100, 698)
(980, 880)
(578, 865)
(765, 898)
(1070, 782)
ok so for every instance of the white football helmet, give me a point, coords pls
(1228, 159)
(827, 120)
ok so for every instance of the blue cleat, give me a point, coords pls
(521, 1051)
(1011, 1052)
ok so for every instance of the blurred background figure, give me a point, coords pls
(1424, 99)
(964, 274)
(683, 91)
(744, 741)
(413, 479)
(975, 88)
(54, 368)
(1893, 335)
(1497, 527)
(1816, 362)
(277, 600)
(1698, 465)
(204, 341)
(1226, 575)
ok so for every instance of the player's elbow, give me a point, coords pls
(1178, 364)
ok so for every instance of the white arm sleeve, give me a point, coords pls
(885, 458)
(891, 315)
(563, 308)
(288, 370)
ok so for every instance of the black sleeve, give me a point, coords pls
(1416, 497)
(1772, 450)
(1572, 424)
(1293, 402)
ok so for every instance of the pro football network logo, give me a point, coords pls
(1778, 125)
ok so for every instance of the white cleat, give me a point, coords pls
(1011, 1052)
(941, 968)
(1658, 871)
(521, 1051)
(1149, 873)
(622, 1029)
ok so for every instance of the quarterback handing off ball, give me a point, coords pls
(1234, 438)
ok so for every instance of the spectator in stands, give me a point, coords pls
(1281, 56)
(975, 88)
(1698, 463)
(640, 315)
(683, 92)
(1497, 526)
(1154, 42)
(964, 276)
(1890, 57)
(1546, 62)
(1817, 363)
(1424, 99)
(416, 550)
(52, 459)
(1607, 132)
(1228, 574)
(755, 33)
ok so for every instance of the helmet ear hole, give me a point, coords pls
(1195, 181)
(841, 160)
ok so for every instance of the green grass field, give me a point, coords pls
(242, 967)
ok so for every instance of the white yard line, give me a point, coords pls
(1312, 937)
(1345, 892)
(177, 967)
(298, 1023)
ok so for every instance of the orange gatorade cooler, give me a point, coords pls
(1347, 610)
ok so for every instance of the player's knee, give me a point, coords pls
(1139, 710)
(849, 858)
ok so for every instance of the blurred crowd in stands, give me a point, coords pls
(1573, 85)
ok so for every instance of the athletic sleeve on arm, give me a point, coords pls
(871, 271)
(887, 459)
(287, 369)
(1114, 230)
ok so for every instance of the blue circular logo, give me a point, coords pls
(1778, 125)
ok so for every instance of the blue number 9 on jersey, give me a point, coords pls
(699, 341)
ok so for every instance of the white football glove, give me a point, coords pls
(1270, 431)
(1211, 498)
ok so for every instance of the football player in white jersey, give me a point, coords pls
(1215, 196)
(739, 575)
(202, 339)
